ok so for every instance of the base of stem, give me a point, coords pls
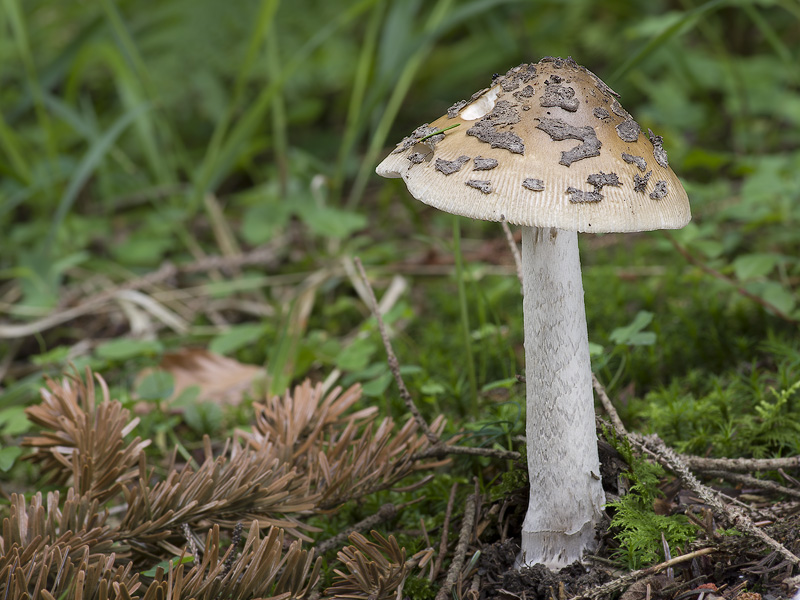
(555, 549)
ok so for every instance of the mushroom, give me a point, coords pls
(549, 147)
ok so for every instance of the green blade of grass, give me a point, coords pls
(12, 146)
(217, 160)
(354, 109)
(20, 34)
(396, 98)
(439, 23)
(134, 85)
(682, 25)
(463, 309)
(263, 24)
(94, 155)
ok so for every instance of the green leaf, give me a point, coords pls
(125, 349)
(632, 335)
(141, 249)
(13, 421)
(777, 295)
(357, 355)
(595, 349)
(432, 388)
(205, 417)
(164, 564)
(156, 386)
(378, 386)
(500, 383)
(8, 457)
(332, 222)
(54, 356)
(262, 222)
(238, 336)
(750, 266)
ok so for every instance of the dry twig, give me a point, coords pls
(445, 532)
(464, 538)
(733, 515)
(608, 405)
(764, 484)
(741, 465)
(394, 364)
(514, 250)
(623, 582)
(265, 255)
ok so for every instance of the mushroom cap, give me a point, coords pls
(547, 145)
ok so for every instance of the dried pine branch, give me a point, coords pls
(306, 453)
(374, 569)
(239, 484)
(262, 570)
(76, 527)
(50, 552)
(51, 574)
(83, 441)
(294, 422)
(344, 456)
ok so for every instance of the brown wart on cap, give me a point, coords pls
(448, 167)
(535, 185)
(658, 150)
(483, 186)
(484, 164)
(617, 109)
(423, 131)
(525, 92)
(453, 111)
(579, 196)
(559, 95)
(559, 130)
(635, 160)
(601, 113)
(598, 180)
(517, 76)
(416, 158)
(628, 131)
(659, 191)
(503, 113)
(640, 183)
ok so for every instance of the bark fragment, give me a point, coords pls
(598, 180)
(601, 113)
(628, 130)
(658, 150)
(453, 111)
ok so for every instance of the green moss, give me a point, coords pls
(636, 526)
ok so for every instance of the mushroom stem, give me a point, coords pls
(564, 469)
